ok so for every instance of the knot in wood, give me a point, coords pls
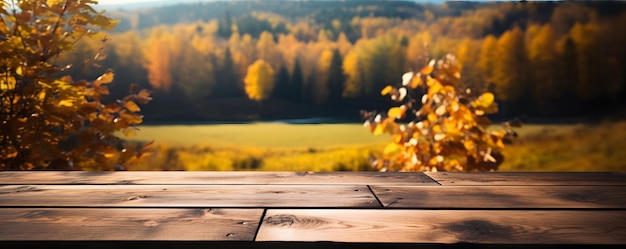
(135, 197)
(304, 222)
(282, 219)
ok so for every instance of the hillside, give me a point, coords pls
(333, 57)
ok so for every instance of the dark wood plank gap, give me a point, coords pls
(258, 227)
(374, 194)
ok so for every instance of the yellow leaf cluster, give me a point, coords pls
(449, 132)
(58, 123)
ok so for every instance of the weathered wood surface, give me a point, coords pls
(528, 178)
(295, 210)
(444, 226)
(329, 196)
(128, 224)
(206, 177)
(509, 197)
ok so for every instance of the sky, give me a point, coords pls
(103, 2)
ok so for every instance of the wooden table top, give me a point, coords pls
(308, 210)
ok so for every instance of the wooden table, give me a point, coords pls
(311, 210)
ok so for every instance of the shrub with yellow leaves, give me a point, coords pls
(47, 122)
(448, 130)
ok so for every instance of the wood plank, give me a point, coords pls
(128, 224)
(445, 226)
(529, 178)
(209, 177)
(187, 196)
(513, 197)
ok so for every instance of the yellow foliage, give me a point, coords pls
(259, 81)
(449, 130)
(51, 122)
(7, 82)
(386, 90)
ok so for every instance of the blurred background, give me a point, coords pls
(559, 65)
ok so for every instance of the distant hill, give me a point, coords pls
(160, 3)
(149, 14)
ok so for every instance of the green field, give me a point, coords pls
(330, 147)
(262, 135)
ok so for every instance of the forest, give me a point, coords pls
(228, 61)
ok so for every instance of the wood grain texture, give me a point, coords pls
(297, 209)
(187, 196)
(509, 197)
(528, 178)
(128, 224)
(445, 226)
(207, 177)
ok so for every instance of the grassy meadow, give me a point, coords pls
(333, 147)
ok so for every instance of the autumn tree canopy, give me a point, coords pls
(259, 81)
(52, 122)
(539, 58)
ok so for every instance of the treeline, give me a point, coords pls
(333, 57)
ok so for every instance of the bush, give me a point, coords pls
(448, 129)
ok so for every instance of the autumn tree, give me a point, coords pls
(47, 122)
(225, 24)
(158, 60)
(343, 44)
(127, 56)
(259, 81)
(544, 61)
(510, 74)
(467, 52)
(336, 78)
(194, 75)
(584, 38)
(417, 53)
(296, 83)
(486, 58)
(371, 62)
(353, 69)
(281, 85)
(569, 65)
(320, 83)
(227, 81)
(267, 50)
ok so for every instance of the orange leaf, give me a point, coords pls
(143, 97)
(396, 112)
(485, 100)
(105, 78)
(417, 81)
(429, 68)
(397, 138)
(131, 106)
(432, 117)
(434, 87)
(386, 90)
(379, 129)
